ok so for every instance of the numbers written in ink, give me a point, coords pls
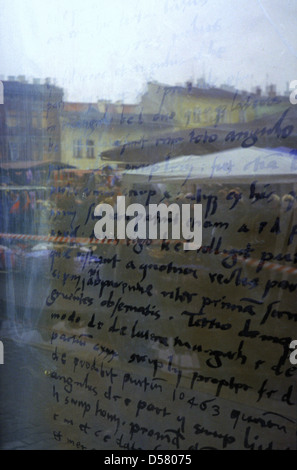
(205, 405)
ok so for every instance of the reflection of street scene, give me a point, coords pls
(121, 331)
(51, 183)
(75, 147)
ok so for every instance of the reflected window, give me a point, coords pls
(77, 148)
(13, 151)
(90, 149)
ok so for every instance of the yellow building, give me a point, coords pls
(87, 130)
(161, 124)
(189, 106)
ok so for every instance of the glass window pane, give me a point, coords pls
(148, 191)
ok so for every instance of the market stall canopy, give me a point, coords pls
(278, 164)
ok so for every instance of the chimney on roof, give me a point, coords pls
(189, 85)
(258, 91)
(22, 79)
(271, 90)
